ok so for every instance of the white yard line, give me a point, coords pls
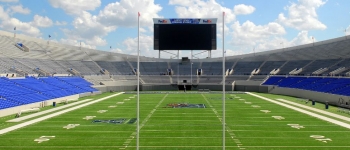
(47, 111)
(228, 129)
(3, 131)
(316, 110)
(132, 136)
(303, 111)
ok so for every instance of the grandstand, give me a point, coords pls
(52, 64)
(45, 73)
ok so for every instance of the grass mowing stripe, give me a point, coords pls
(132, 136)
(304, 111)
(9, 129)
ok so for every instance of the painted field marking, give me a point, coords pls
(296, 126)
(43, 139)
(343, 124)
(113, 106)
(126, 99)
(242, 99)
(278, 117)
(120, 102)
(9, 129)
(89, 117)
(321, 138)
(48, 111)
(248, 102)
(256, 106)
(71, 126)
(228, 129)
(265, 111)
(132, 136)
(102, 111)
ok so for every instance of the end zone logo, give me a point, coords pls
(162, 21)
(206, 21)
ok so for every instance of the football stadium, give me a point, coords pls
(58, 96)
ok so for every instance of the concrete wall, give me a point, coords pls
(311, 95)
(14, 110)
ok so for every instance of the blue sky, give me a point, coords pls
(249, 24)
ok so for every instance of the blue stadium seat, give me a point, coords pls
(16, 92)
(319, 84)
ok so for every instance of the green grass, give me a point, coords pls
(181, 128)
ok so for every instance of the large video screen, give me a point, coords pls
(185, 36)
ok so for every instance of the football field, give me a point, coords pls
(184, 121)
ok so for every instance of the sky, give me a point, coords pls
(111, 25)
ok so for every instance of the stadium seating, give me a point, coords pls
(15, 92)
(319, 84)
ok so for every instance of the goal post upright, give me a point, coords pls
(223, 82)
(138, 84)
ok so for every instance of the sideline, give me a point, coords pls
(317, 110)
(47, 111)
(345, 125)
(3, 131)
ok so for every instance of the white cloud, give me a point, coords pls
(9, 1)
(40, 21)
(75, 7)
(124, 13)
(250, 34)
(347, 31)
(23, 27)
(303, 16)
(8, 24)
(202, 9)
(20, 9)
(302, 38)
(146, 45)
(88, 28)
(60, 23)
(93, 28)
(3, 14)
(242, 9)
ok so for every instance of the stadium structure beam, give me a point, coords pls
(171, 57)
(209, 54)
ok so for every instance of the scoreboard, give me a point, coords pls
(185, 34)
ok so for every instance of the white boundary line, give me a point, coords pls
(317, 110)
(3, 131)
(345, 125)
(47, 111)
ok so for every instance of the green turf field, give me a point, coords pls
(249, 120)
